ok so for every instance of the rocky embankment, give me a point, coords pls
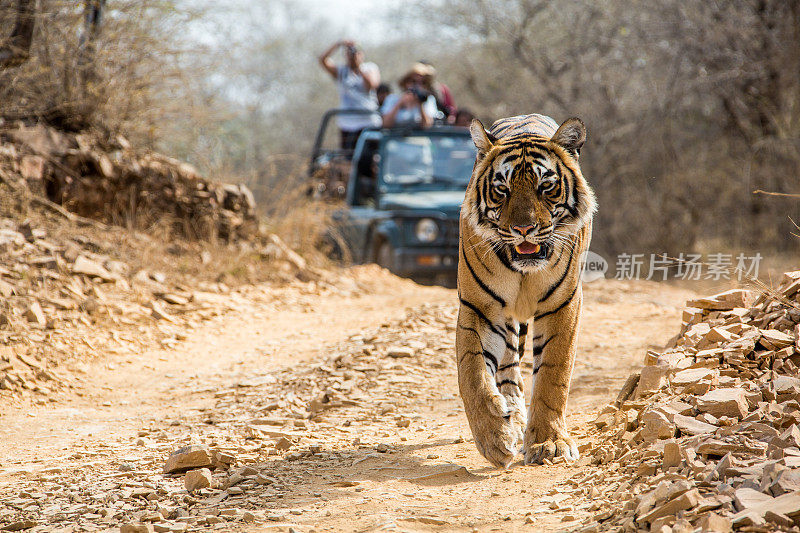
(706, 436)
(106, 179)
(67, 300)
(75, 285)
(71, 296)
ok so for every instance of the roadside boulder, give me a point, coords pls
(188, 458)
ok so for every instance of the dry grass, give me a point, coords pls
(303, 224)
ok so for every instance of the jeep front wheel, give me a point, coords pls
(384, 255)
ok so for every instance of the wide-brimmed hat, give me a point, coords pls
(418, 68)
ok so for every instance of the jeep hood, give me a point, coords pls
(449, 202)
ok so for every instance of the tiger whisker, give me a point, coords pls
(565, 241)
(490, 244)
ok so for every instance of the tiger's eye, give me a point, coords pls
(548, 188)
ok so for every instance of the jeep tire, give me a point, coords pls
(384, 255)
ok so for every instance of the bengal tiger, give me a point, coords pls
(524, 224)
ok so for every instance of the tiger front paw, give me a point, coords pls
(559, 444)
(497, 429)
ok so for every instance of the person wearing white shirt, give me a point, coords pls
(356, 81)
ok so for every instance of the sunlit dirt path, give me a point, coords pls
(395, 454)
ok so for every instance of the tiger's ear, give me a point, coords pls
(483, 140)
(571, 134)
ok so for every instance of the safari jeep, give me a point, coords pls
(403, 198)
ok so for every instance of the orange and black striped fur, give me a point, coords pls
(525, 222)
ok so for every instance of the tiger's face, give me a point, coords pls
(528, 197)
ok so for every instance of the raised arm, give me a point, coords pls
(325, 59)
(372, 78)
(426, 119)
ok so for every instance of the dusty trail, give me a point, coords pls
(387, 449)
(267, 329)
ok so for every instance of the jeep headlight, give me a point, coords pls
(426, 230)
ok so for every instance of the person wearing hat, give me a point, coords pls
(440, 91)
(356, 81)
(413, 106)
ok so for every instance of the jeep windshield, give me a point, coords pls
(422, 162)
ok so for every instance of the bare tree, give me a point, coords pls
(17, 47)
(690, 105)
(110, 65)
(87, 46)
(749, 55)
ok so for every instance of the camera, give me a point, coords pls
(420, 93)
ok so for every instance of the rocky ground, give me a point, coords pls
(72, 295)
(706, 435)
(327, 406)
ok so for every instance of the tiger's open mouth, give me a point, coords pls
(529, 250)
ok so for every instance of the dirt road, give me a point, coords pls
(341, 409)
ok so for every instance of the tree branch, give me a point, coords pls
(16, 50)
(770, 193)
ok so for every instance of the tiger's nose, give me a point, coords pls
(524, 230)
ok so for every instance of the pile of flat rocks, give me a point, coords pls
(705, 437)
(57, 289)
(107, 180)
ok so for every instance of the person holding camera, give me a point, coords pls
(356, 81)
(414, 106)
(440, 91)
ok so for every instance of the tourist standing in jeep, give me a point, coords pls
(356, 81)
